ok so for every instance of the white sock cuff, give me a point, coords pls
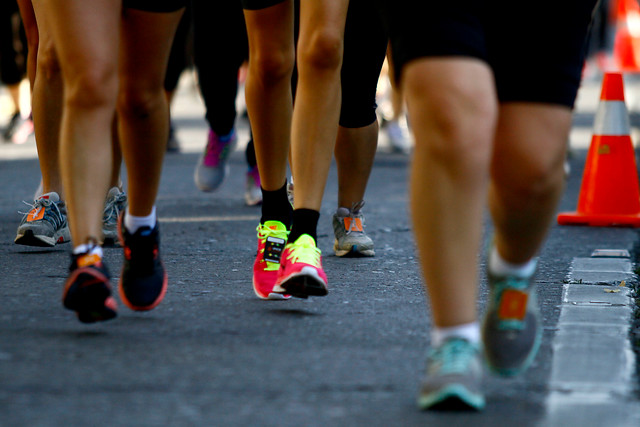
(468, 331)
(86, 248)
(133, 223)
(497, 265)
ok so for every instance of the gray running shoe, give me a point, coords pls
(454, 377)
(45, 224)
(115, 203)
(350, 237)
(252, 191)
(212, 167)
(399, 136)
(290, 192)
(173, 145)
(511, 329)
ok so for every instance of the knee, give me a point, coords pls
(529, 178)
(271, 67)
(48, 65)
(455, 126)
(323, 51)
(139, 102)
(94, 86)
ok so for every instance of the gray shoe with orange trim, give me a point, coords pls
(350, 237)
(45, 224)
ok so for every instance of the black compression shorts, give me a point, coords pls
(157, 5)
(257, 4)
(536, 50)
(365, 46)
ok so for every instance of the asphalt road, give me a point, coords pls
(213, 354)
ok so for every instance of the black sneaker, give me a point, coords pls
(143, 281)
(87, 290)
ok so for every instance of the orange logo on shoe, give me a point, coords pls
(513, 305)
(352, 224)
(88, 259)
(35, 214)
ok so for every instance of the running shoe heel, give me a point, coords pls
(87, 290)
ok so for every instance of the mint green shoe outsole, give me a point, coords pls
(454, 397)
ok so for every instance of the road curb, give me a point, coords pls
(592, 377)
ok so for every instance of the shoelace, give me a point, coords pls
(305, 251)
(217, 150)
(263, 233)
(112, 207)
(53, 215)
(453, 356)
(354, 213)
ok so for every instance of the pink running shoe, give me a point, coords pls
(301, 273)
(272, 237)
(212, 167)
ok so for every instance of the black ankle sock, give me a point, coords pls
(276, 206)
(305, 221)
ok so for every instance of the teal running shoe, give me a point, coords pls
(454, 377)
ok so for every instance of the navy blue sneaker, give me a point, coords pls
(143, 281)
(87, 290)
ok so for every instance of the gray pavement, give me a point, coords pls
(213, 354)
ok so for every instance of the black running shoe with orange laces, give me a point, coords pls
(143, 282)
(87, 290)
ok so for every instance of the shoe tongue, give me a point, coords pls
(113, 192)
(53, 196)
(274, 225)
(342, 212)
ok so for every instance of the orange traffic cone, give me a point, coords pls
(626, 47)
(609, 193)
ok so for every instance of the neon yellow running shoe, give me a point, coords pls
(301, 273)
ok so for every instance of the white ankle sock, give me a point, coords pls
(499, 266)
(133, 223)
(468, 331)
(91, 249)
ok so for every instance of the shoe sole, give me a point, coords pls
(352, 252)
(454, 397)
(28, 238)
(95, 304)
(303, 284)
(154, 304)
(110, 239)
(252, 202)
(272, 295)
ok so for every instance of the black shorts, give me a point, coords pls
(365, 47)
(257, 4)
(535, 49)
(156, 5)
